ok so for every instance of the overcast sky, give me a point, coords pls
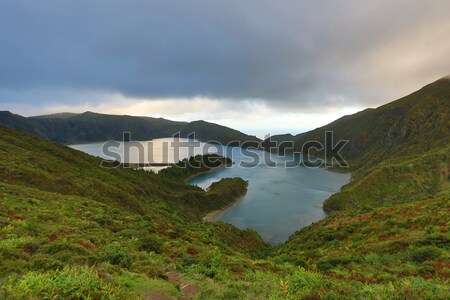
(258, 66)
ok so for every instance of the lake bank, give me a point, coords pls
(214, 216)
(211, 170)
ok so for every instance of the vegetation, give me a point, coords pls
(395, 181)
(72, 229)
(412, 125)
(195, 165)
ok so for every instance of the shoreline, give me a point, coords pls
(216, 214)
(206, 172)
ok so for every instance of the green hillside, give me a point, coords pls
(397, 152)
(71, 128)
(395, 181)
(411, 125)
(61, 211)
(71, 229)
(390, 245)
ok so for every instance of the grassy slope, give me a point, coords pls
(398, 152)
(60, 208)
(394, 214)
(116, 233)
(413, 124)
(379, 246)
(395, 181)
(404, 154)
(60, 211)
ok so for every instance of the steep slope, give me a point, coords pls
(394, 181)
(387, 244)
(391, 222)
(411, 125)
(60, 209)
(397, 152)
(93, 127)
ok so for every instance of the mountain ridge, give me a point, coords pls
(72, 128)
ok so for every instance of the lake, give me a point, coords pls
(279, 200)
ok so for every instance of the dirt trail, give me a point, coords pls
(189, 290)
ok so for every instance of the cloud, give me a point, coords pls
(286, 54)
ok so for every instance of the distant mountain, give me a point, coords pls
(63, 115)
(72, 128)
(28, 125)
(213, 132)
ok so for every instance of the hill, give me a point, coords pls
(72, 229)
(391, 221)
(59, 208)
(87, 127)
(411, 125)
(397, 152)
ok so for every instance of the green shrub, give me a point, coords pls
(116, 255)
(424, 253)
(328, 263)
(61, 246)
(69, 283)
(151, 244)
(46, 264)
(303, 281)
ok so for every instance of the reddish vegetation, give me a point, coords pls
(29, 248)
(388, 238)
(53, 237)
(86, 245)
(262, 264)
(365, 217)
(13, 216)
(191, 251)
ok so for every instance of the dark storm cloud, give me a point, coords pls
(283, 52)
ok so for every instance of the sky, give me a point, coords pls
(255, 65)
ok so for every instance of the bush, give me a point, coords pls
(424, 253)
(115, 254)
(70, 283)
(151, 244)
(303, 281)
(328, 263)
(61, 246)
(46, 264)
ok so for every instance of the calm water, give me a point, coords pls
(154, 151)
(279, 200)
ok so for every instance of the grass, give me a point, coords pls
(395, 181)
(71, 229)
